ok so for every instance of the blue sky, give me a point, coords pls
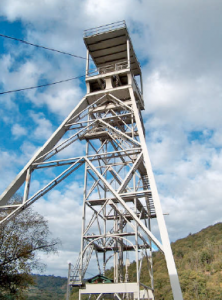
(179, 46)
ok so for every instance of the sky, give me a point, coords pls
(179, 46)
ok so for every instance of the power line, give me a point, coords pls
(39, 46)
(42, 85)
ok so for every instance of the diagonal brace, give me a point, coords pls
(130, 173)
(121, 201)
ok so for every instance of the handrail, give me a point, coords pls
(109, 68)
(136, 84)
(105, 28)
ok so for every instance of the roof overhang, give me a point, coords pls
(107, 45)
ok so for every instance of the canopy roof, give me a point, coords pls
(107, 45)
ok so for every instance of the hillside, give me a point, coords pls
(47, 288)
(199, 262)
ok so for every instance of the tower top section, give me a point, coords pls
(107, 45)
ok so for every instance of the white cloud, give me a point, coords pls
(63, 210)
(44, 127)
(62, 100)
(16, 77)
(7, 161)
(28, 150)
(57, 264)
(18, 130)
(182, 91)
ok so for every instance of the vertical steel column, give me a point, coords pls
(68, 286)
(83, 215)
(151, 259)
(128, 53)
(87, 62)
(174, 280)
(141, 83)
(117, 174)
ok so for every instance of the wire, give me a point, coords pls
(42, 85)
(38, 46)
(46, 84)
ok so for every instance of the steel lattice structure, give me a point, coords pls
(119, 196)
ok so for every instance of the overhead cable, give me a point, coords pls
(39, 46)
(41, 85)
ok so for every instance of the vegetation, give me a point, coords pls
(20, 239)
(199, 263)
(198, 259)
(47, 288)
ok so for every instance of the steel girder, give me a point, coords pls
(120, 197)
(119, 186)
(118, 175)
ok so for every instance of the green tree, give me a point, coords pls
(20, 240)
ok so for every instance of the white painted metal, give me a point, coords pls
(174, 280)
(87, 62)
(110, 288)
(120, 197)
(128, 52)
(131, 213)
(56, 136)
(68, 287)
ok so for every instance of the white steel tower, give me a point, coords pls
(119, 196)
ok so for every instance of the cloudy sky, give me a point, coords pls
(179, 45)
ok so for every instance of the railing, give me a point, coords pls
(136, 84)
(109, 68)
(105, 28)
(75, 272)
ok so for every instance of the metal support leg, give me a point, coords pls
(174, 279)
